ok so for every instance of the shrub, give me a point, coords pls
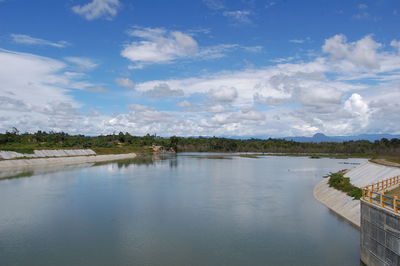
(339, 182)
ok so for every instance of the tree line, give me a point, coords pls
(25, 142)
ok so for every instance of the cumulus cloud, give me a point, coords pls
(29, 40)
(362, 53)
(356, 105)
(162, 90)
(301, 96)
(158, 46)
(298, 98)
(359, 109)
(107, 9)
(224, 94)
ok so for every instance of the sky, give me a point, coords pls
(200, 67)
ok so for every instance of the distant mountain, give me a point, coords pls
(319, 137)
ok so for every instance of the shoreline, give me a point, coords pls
(7, 164)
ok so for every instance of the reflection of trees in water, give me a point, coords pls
(173, 163)
(140, 160)
(145, 160)
(148, 160)
(19, 175)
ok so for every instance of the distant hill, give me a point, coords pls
(319, 137)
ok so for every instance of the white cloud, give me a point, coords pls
(297, 41)
(331, 93)
(253, 49)
(224, 94)
(33, 95)
(38, 79)
(239, 16)
(184, 104)
(214, 4)
(362, 53)
(215, 51)
(356, 105)
(82, 63)
(29, 40)
(162, 90)
(159, 46)
(107, 9)
(140, 108)
(317, 101)
(282, 60)
(359, 110)
(125, 82)
(219, 108)
(395, 44)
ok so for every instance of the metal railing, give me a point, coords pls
(375, 193)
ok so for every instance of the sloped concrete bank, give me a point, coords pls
(368, 173)
(64, 160)
(338, 202)
(360, 176)
(46, 153)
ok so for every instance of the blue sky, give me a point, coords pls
(200, 67)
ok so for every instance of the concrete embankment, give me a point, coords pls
(360, 176)
(64, 160)
(46, 153)
(338, 202)
(368, 173)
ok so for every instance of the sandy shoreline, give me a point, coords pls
(6, 164)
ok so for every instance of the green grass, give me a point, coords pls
(339, 182)
(18, 148)
(120, 150)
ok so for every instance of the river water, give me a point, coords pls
(190, 209)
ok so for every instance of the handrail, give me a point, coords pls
(375, 193)
(384, 184)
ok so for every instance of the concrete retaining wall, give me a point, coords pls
(46, 153)
(338, 202)
(380, 236)
(64, 160)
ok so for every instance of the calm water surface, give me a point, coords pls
(189, 209)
